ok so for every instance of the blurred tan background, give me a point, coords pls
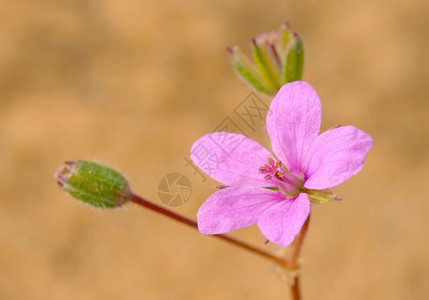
(134, 83)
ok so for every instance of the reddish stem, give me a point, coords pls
(293, 263)
(159, 209)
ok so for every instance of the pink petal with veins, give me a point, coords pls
(293, 123)
(282, 221)
(234, 208)
(230, 158)
(337, 155)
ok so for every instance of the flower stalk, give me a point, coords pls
(293, 260)
(104, 187)
(184, 220)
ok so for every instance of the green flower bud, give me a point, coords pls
(278, 59)
(93, 183)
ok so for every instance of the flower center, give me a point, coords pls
(287, 182)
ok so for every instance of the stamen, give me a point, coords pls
(283, 167)
(263, 170)
(279, 175)
(291, 179)
(282, 177)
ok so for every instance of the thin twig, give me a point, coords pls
(293, 263)
(159, 209)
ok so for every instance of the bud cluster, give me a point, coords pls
(278, 59)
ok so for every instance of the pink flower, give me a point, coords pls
(275, 191)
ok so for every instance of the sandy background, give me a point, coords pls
(134, 83)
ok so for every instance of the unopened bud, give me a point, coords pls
(93, 183)
(278, 59)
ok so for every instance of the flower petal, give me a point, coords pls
(293, 123)
(281, 222)
(232, 159)
(337, 155)
(234, 208)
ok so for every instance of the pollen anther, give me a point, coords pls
(289, 183)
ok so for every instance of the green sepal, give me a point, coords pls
(282, 45)
(294, 60)
(247, 71)
(269, 74)
(321, 196)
